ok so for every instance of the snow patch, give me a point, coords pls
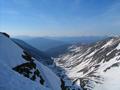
(118, 47)
(109, 43)
(111, 80)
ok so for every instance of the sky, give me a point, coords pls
(60, 17)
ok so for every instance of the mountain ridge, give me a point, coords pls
(88, 66)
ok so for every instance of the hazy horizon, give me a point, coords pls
(63, 18)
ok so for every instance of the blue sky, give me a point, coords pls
(60, 17)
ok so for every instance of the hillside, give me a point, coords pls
(20, 71)
(92, 67)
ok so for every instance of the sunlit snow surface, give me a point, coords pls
(111, 80)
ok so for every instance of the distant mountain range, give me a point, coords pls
(79, 39)
(43, 44)
(54, 46)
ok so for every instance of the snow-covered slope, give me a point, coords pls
(20, 71)
(92, 67)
